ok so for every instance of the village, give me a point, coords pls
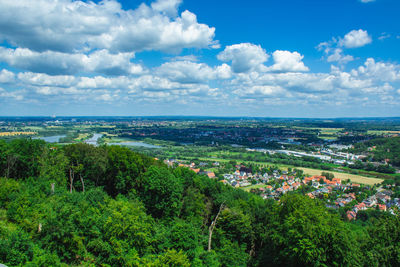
(343, 195)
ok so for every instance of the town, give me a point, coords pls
(337, 194)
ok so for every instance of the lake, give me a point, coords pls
(51, 139)
(136, 144)
(93, 139)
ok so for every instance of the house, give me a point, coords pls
(382, 207)
(351, 215)
(211, 175)
(315, 184)
(360, 206)
(370, 202)
(296, 185)
(195, 170)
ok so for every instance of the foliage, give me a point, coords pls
(137, 212)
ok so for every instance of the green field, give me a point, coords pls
(248, 188)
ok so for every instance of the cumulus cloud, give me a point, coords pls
(333, 49)
(286, 61)
(355, 38)
(260, 91)
(15, 95)
(56, 63)
(186, 72)
(382, 71)
(71, 26)
(6, 76)
(244, 57)
(168, 7)
(40, 79)
(191, 72)
(224, 71)
(338, 56)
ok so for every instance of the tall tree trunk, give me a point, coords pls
(11, 159)
(83, 184)
(71, 179)
(212, 226)
(252, 252)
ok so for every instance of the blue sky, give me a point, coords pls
(287, 58)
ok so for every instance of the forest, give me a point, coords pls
(381, 149)
(82, 205)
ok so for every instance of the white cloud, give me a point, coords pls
(224, 71)
(355, 38)
(244, 57)
(112, 64)
(46, 62)
(384, 36)
(40, 79)
(286, 61)
(168, 7)
(333, 49)
(186, 72)
(367, 1)
(381, 71)
(338, 56)
(71, 26)
(6, 76)
(260, 91)
(55, 63)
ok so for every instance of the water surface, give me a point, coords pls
(51, 139)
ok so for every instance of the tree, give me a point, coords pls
(86, 162)
(123, 170)
(161, 192)
(54, 165)
(306, 234)
(16, 248)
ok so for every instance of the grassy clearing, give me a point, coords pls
(248, 188)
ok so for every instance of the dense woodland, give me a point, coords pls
(381, 149)
(108, 206)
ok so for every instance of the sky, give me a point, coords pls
(286, 58)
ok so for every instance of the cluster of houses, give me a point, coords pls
(281, 182)
(242, 177)
(381, 200)
(192, 166)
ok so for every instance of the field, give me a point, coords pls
(16, 133)
(372, 132)
(344, 176)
